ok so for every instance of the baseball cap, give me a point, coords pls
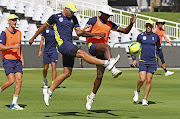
(149, 22)
(12, 16)
(107, 10)
(71, 6)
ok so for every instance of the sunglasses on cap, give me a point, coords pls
(149, 25)
(71, 11)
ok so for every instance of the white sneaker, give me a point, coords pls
(136, 96)
(46, 96)
(16, 107)
(116, 72)
(112, 62)
(89, 102)
(144, 102)
(168, 73)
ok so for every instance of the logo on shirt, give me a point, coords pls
(47, 31)
(61, 19)
(144, 38)
(152, 38)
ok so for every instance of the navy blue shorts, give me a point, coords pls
(149, 68)
(12, 66)
(92, 51)
(66, 48)
(50, 57)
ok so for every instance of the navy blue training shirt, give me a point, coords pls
(50, 41)
(150, 45)
(63, 27)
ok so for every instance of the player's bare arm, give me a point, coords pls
(40, 47)
(22, 57)
(40, 30)
(4, 48)
(166, 39)
(127, 29)
(134, 63)
(83, 33)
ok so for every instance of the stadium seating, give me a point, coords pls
(29, 11)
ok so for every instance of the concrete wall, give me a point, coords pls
(171, 55)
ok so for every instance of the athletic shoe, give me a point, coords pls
(89, 102)
(116, 72)
(136, 96)
(168, 73)
(46, 96)
(15, 107)
(112, 62)
(144, 102)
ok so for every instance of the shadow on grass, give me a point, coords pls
(57, 87)
(149, 103)
(157, 74)
(21, 105)
(92, 113)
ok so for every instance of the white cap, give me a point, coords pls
(107, 10)
(160, 21)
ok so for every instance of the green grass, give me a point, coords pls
(171, 16)
(113, 100)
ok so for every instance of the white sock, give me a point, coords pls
(0, 90)
(49, 91)
(92, 95)
(106, 63)
(15, 98)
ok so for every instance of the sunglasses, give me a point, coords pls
(148, 25)
(71, 11)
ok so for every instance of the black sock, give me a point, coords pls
(165, 70)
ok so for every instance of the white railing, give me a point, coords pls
(121, 17)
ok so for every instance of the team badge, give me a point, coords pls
(47, 31)
(152, 38)
(61, 19)
(144, 37)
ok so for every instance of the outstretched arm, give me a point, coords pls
(40, 30)
(127, 29)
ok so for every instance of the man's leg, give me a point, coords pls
(147, 88)
(97, 83)
(167, 73)
(9, 82)
(14, 104)
(45, 70)
(142, 78)
(148, 85)
(92, 60)
(104, 49)
(54, 74)
(59, 79)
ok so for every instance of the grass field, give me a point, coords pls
(114, 99)
(171, 16)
